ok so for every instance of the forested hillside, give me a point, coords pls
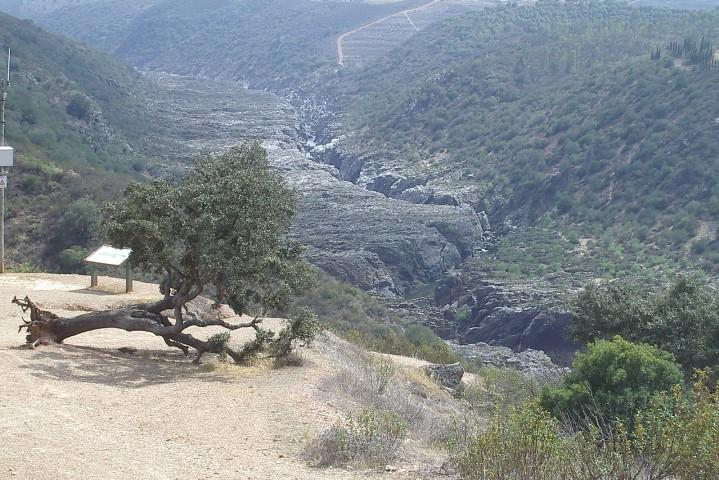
(267, 43)
(78, 120)
(575, 113)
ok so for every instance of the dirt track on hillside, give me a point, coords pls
(86, 411)
(405, 13)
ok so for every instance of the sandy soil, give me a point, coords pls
(86, 411)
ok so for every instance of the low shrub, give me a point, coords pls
(676, 436)
(523, 443)
(371, 437)
(499, 388)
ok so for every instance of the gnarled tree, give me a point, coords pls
(221, 231)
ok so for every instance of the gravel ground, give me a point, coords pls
(86, 411)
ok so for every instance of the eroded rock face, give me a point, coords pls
(504, 315)
(534, 363)
(361, 236)
(377, 243)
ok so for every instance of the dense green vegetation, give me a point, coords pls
(676, 437)
(264, 42)
(682, 319)
(559, 111)
(79, 123)
(614, 379)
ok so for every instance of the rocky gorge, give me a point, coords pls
(385, 233)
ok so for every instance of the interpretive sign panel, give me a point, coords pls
(107, 255)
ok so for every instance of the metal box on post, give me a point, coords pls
(6, 156)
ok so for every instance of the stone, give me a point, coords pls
(448, 376)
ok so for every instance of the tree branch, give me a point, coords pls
(197, 322)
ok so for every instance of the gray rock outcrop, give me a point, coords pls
(361, 236)
(518, 317)
(447, 376)
(533, 363)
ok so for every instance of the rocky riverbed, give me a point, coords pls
(380, 244)
(386, 233)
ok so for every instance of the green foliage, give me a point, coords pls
(521, 443)
(70, 259)
(343, 307)
(277, 43)
(679, 432)
(302, 329)
(616, 151)
(224, 225)
(674, 436)
(370, 437)
(463, 314)
(613, 379)
(499, 389)
(682, 319)
(79, 106)
(78, 224)
(72, 112)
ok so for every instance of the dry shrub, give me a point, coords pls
(371, 437)
(292, 359)
(499, 388)
(374, 381)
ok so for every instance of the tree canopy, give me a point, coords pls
(221, 231)
(682, 319)
(615, 379)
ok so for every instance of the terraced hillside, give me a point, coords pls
(366, 43)
(266, 43)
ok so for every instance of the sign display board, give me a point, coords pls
(6, 156)
(107, 255)
(3, 181)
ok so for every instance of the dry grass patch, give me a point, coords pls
(393, 404)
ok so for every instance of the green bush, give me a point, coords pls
(521, 443)
(682, 319)
(79, 106)
(675, 437)
(464, 313)
(70, 259)
(613, 379)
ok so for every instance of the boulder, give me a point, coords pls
(448, 376)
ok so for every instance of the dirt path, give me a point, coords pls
(86, 411)
(405, 13)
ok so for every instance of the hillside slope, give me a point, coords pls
(555, 111)
(266, 43)
(155, 415)
(79, 122)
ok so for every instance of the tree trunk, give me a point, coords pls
(45, 328)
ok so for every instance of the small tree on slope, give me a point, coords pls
(222, 230)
